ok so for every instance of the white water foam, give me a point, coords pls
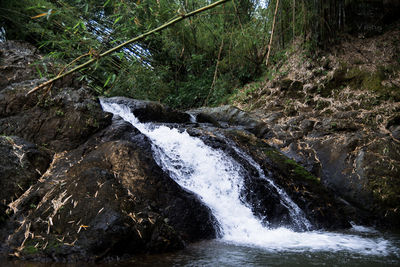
(215, 178)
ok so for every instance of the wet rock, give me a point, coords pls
(107, 198)
(152, 111)
(103, 195)
(231, 116)
(320, 205)
(60, 120)
(17, 62)
(357, 162)
(322, 208)
(265, 202)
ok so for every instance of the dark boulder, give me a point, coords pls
(17, 62)
(107, 198)
(60, 120)
(319, 204)
(230, 116)
(322, 208)
(150, 111)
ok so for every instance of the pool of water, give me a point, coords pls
(219, 253)
(222, 253)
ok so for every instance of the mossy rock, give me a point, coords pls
(322, 207)
(358, 78)
(292, 168)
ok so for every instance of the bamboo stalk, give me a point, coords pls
(215, 72)
(294, 18)
(90, 61)
(272, 33)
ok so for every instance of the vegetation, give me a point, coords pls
(198, 61)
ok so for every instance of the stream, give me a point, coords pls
(243, 239)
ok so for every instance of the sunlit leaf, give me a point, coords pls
(48, 13)
(117, 19)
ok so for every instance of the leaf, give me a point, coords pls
(107, 81)
(83, 26)
(40, 15)
(120, 55)
(106, 3)
(48, 13)
(117, 19)
(35, 7)
(76, 25)
(39, 72)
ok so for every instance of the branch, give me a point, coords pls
(171, 22)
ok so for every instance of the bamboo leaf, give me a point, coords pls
(107, 81)
(106, 3)
(135, 39)
(117, 19)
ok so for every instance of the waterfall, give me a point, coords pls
(217, 180)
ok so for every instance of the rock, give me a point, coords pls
(396, 132)
(320, 205)
(17, 62)
(107, 198)
(393, 125)
(58, 122)
(231, 116)
(152, 111)
(21, 165)
(338, 149)
(357, 162)
(61, 120)
(291, 88)
(103, 195)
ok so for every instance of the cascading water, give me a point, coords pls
(296, 213)
(216, 178)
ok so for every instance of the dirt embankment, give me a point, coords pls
(337, 113)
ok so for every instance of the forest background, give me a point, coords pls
(199, 61)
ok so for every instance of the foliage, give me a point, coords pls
(181, 65)
(176, 66)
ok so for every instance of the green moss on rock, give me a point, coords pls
(290, 165)
(358, 78)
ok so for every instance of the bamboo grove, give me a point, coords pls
(192, 63)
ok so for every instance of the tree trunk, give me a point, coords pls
(272, 33)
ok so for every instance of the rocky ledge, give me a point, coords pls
(81, 185)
